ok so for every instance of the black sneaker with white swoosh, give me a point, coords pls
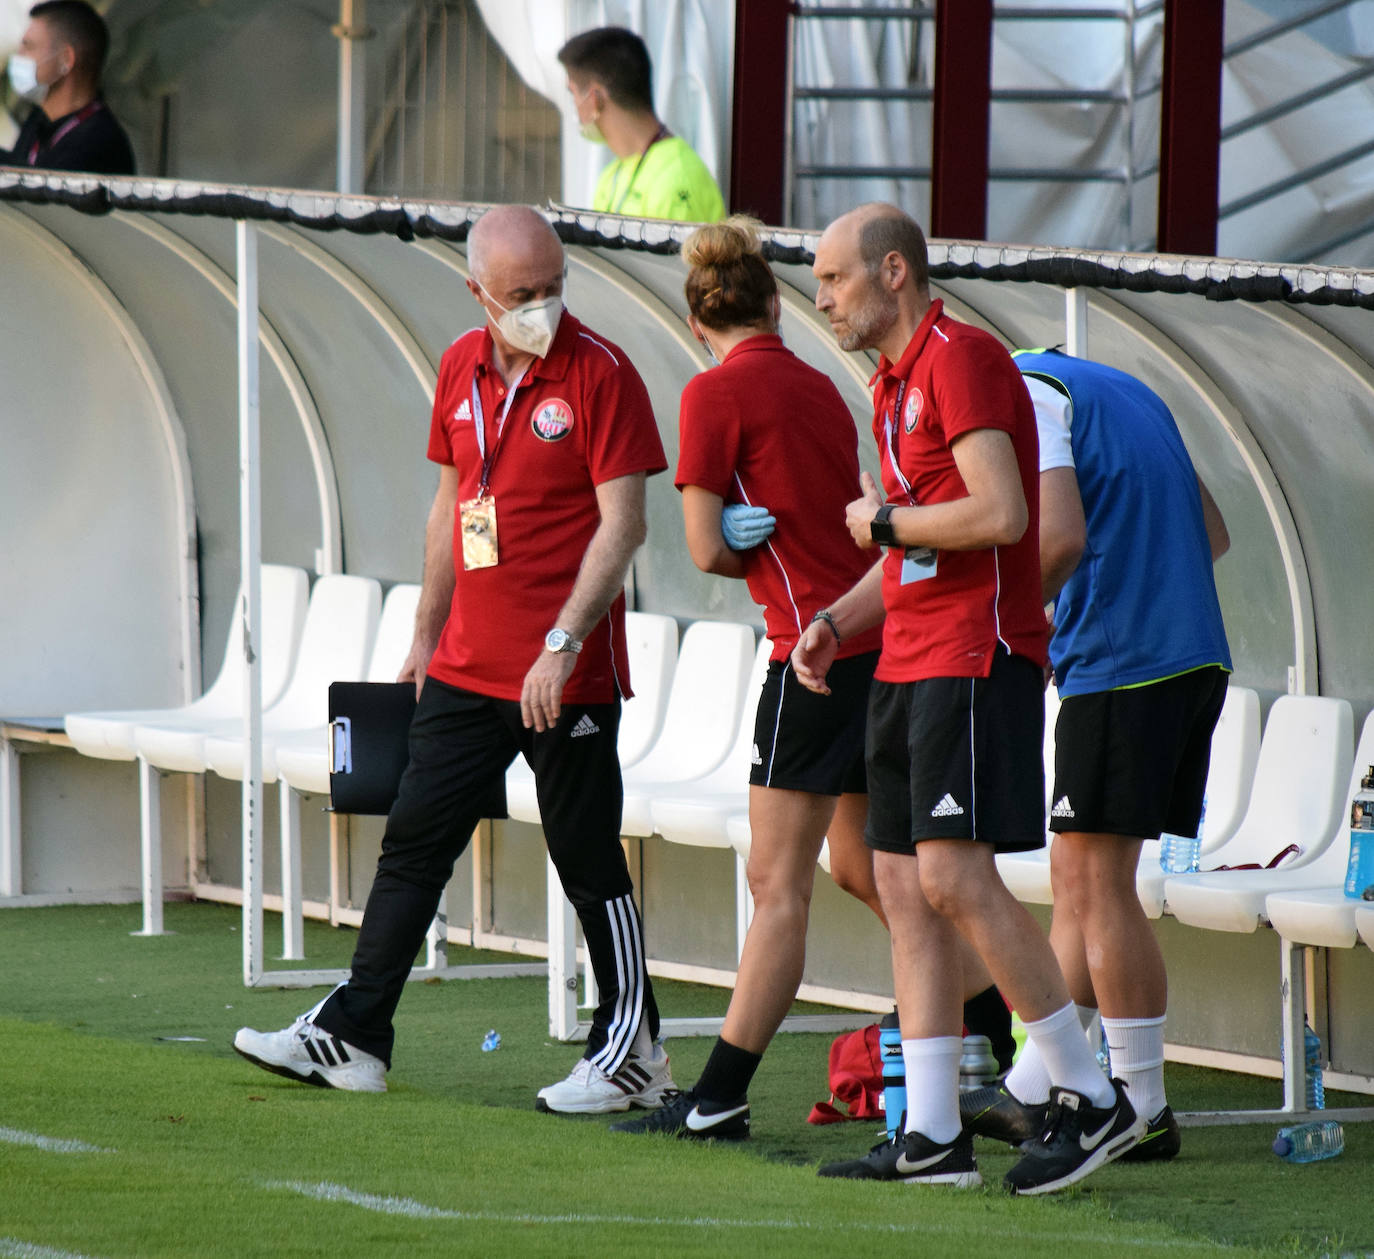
(1077, 1139)
(694, 1119)
(914, 1159)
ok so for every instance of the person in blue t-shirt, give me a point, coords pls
(1128, 537)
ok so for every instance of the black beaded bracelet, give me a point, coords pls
(824, 615)
(880, 527)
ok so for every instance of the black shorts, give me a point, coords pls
(1134, 761)
(809, 742)
(958, 758)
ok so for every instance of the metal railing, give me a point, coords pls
(1133, 96)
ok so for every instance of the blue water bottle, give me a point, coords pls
(1309, 1142)
(1316, 1085)
(894, 1074)
(1359, 874)
(1181, 854)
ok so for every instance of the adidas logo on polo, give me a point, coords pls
(464, 411)
(1062, 808)
(585, 725)
(948, 807)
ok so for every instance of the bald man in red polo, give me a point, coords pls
(544, 436)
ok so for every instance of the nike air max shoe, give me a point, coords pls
(310, 1054)
(1077, 1140)
(588, 1090)
(914, 1160)
(689, 1117)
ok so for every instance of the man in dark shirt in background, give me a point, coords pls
(58, 68)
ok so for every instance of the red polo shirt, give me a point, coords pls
(765, 428)
(957, 379)
(580, 416)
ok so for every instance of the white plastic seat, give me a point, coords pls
(699, 722)
(1230, 780)
(1309, 912)
(302, 762)
(1304, 765)
(651, 640)
(336, 646)
(1364, 921)
(302, 759)
(110, 735)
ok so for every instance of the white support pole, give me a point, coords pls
(292, 913)
(352, 32)
(562, 924)
(150, 842)
(1293, 1002)
(250, 567)
(11, 863)
(1076, 322)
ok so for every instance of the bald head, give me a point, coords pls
(874, 277)
(512, 236)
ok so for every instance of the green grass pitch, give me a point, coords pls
(128, 1127)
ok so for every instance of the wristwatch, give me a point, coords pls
(880, 527)
(559, 640)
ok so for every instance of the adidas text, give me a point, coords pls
(948, 807)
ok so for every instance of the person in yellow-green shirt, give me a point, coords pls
(656, 175)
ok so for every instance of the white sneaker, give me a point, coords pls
(310, 1054)
(588, 1090)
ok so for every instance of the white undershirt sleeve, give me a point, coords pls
(1053, 419)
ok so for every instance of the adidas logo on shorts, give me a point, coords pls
(1062, 808)
(755, 758)
(585, 725)
(948, 807)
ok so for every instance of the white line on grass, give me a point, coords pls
(53, 1145)
(13, 1248)
(324, 1191)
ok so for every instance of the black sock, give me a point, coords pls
(727, 1073)
(987, 1015)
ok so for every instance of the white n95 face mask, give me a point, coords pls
(530, 327)
(23, 72)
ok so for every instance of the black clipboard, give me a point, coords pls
(369, 744)
(369, 748)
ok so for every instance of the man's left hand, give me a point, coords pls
(541, 698)
(858, 516)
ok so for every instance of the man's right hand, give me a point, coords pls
(417, 665)
(813, 655)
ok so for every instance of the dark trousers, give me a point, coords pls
(461, 744)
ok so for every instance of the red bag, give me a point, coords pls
(856, 1078)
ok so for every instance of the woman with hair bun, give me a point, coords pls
(768, 460)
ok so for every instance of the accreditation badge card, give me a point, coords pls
(918, 563)
(477, 520)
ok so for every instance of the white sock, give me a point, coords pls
(1028, 1081)
(1071, 1064)
(932, 1086)
(642, 1046)
(1137, 1049)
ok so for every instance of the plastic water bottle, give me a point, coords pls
(894, 1074)
(1359, 874)
(1181, 854)
(977, 1063)
(1308, 1142)
(1316, 1086)
(492, 1040)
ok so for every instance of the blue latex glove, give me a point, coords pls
(744, 526)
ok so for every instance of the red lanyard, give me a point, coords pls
(75, 120)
